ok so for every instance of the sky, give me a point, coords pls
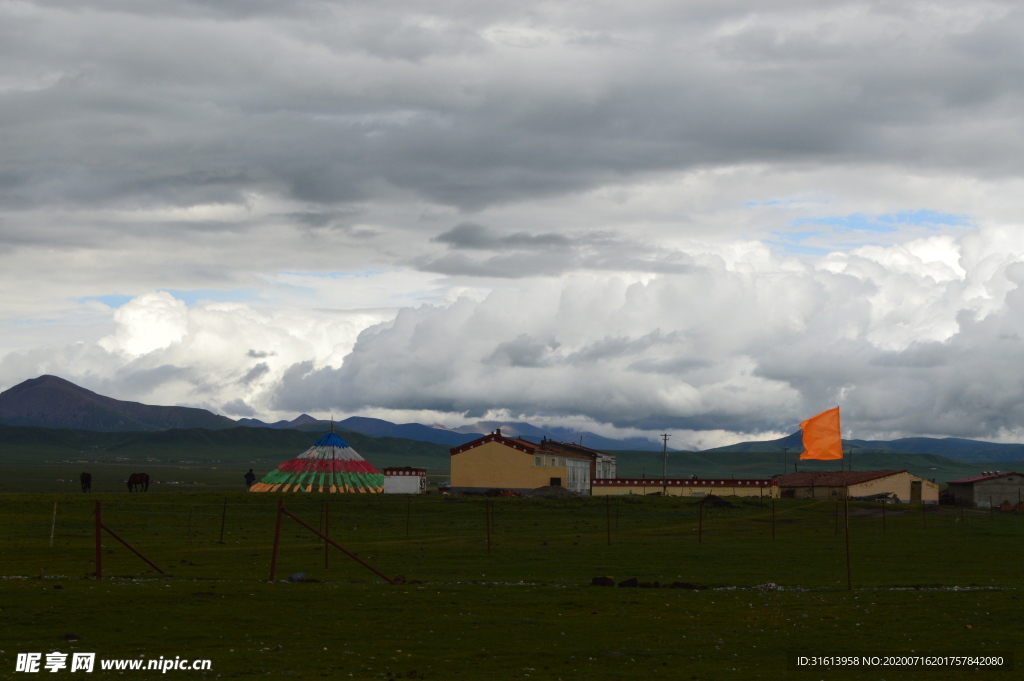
(710, 218)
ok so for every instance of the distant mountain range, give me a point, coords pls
(302, 420)
(959, 449)
(463, 434)
(52, 402)
(535, 434)
(374, 428)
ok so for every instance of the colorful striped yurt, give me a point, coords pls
(328, 466)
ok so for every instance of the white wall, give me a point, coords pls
(402, 484)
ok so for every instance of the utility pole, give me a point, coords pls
(664, 463)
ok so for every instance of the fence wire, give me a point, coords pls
(466, 538)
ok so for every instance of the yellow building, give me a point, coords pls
(687, 487)
(896, 485)
(498, 462)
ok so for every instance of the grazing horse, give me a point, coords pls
(86, 480)
(138, 480)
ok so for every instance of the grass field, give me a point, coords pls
(934, 583)
(31, 459)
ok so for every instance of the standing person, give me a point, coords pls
(250, 478)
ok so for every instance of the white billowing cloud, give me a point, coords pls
(743, 340)
(227, 357)
(753, 343)
(673, 351)
(147, 323)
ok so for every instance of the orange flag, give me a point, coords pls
(822, 438)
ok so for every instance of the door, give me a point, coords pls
(915, 492)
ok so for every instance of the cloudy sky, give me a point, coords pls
(712, 218)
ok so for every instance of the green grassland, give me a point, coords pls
(943, 580)
(35, 459)
(41, 459)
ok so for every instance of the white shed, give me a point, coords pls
(405, 480)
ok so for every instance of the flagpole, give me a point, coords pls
(841, 453)
(849, 575)
(664, 465)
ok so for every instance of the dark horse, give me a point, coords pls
(86, 480)
(138, 480)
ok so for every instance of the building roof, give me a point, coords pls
(496, 436)
(573, 447)
(547, 447)
(832, 478)
(982, 476)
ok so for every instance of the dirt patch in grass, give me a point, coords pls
(550, 492)
(871, 512)
(717, 502)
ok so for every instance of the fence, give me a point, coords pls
(432, 538)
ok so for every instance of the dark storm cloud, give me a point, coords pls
(523, 351)
(254, 374)
(332, 219)
(237, 408)
(142, 379)
(543, 264)
(620, 346)
(505, 266)
(676, 365)
(117, 103)
(472, 236)
(304, 389)
(521, 254)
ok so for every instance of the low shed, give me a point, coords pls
(686, 487)
(988, 489)
(896, 485)
(405, 480)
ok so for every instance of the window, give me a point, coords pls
(537, 461)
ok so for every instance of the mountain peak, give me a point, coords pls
(49, 381)
(53, 402)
